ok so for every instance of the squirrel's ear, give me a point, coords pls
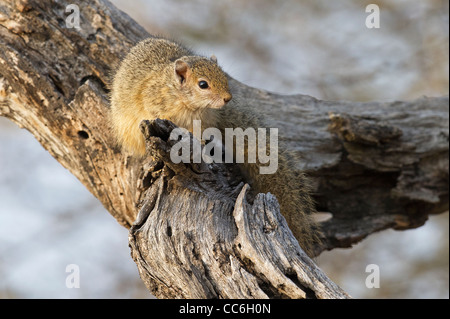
(213, 58)
(181, 69)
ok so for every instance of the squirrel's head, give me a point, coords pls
(202, 82)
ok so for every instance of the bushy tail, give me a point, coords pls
(292, 190)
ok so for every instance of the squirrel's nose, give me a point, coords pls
(227, 98)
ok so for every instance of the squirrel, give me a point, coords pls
(160, 78)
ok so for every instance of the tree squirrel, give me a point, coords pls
(162, 79)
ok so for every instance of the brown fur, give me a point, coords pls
(159, 79)
(147, 86)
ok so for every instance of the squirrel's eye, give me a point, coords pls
(203, 84)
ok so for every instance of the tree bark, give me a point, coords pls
(194, 232)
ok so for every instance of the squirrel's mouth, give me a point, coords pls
(217, 103)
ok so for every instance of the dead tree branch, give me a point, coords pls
(374, 165)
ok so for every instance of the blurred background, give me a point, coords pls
(314, 47)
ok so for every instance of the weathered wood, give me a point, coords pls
(192, 239)
(374, 165)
